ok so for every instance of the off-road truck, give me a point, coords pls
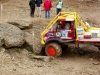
(67, 28)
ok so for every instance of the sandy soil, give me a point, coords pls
(85, 61)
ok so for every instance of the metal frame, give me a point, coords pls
(68, 15)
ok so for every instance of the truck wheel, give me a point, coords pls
(53, 49)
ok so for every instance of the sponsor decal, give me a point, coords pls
(64, 33)
(58, 34)
(50, 35)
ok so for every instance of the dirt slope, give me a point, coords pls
(84, 62)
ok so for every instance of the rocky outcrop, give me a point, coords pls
(21, 24)
(11, 35)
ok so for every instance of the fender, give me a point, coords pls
(58, 40)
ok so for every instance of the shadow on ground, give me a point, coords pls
(81, 52)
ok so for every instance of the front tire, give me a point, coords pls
(53, 49)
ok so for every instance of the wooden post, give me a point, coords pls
(1, 12)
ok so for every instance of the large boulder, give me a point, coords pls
(21, 24)
(37, 46)
(33, 41)
(29, 38)
(12, 35)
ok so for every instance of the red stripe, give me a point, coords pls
(89, 40)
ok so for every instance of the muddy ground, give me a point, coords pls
(85, 61)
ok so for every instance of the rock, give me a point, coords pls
(28, 41)
(91, 59)
(95, 63)
(12, 35)
(29, 38)
(48, 59)
(44, 58)
(2, 50)
(37, 47)
(21, 24)
(14, 69)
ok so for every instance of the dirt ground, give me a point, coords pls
(85, 61)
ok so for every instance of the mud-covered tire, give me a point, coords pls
(53, 49)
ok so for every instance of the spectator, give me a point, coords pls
(59, 6)
(47, 7)
(38, 3)
(32, 7)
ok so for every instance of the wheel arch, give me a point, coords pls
(53, 40)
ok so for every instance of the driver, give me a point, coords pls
(61, 24)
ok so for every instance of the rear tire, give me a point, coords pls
(53, 49)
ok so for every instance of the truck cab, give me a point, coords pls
(65, 30)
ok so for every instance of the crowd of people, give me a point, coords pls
(47, 5)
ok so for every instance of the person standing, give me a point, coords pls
(38, 3)
(47, 7)
(32, 7)
(59, 6)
